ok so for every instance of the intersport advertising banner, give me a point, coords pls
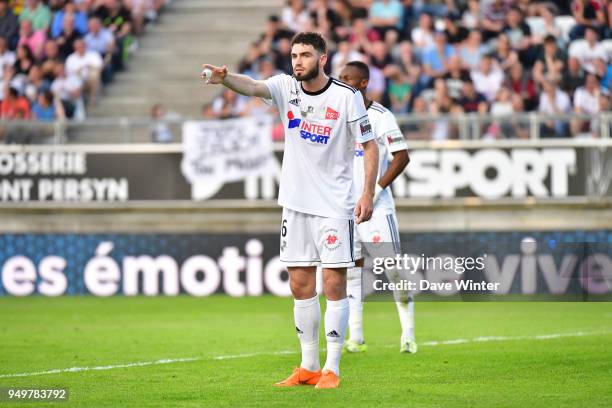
(124, 173)
(480, 265)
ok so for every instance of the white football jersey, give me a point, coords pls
(389, 139)
(321, 129)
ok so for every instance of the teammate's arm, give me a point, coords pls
(365, 205)
(396, 167)
(236, 82)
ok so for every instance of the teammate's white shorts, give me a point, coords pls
(311, 240)
(379, 229)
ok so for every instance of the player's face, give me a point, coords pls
(351, 76)
(306, 62)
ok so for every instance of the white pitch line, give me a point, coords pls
(288, 352)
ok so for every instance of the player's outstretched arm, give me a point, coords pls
(239, 83)
(365, 205)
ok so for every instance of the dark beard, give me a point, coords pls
(307, 76)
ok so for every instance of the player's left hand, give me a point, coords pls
(364, 209)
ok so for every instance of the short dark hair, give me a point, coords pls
(310, 38)
(361, 67)
(550, 39)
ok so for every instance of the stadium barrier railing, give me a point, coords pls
(528, 125)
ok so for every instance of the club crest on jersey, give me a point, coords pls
(308, 112)
(376, 238)
(293, 121)
(331, 240)
(358, 150)
(331, 114)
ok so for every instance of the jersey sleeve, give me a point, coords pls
(276, 85)
(391, 133)
(358, 120)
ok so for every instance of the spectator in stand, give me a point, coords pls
(79, 19)
(586, 102)
(363, 36)
(295, 16)
(399, 90)
(588, 14)
(9, 24)
(160, 131)
(118, 20)
(69, 90)
(553, 101)
(141, 12)
(47, 108)
(35, 84)
(421, 130)
(573, 76)
(228, 105)
(471, 17)
(588, 49)
(386, 17)
(69, 35)
(282, 56)
(472, 50)
(435, 59)
(36, 13)
(344, 54)
(25, 60)
(14, 106)
(380, 56)
(548, 29)
(550, 60)
(519, 35)
(604, 72)
(34, 40)
(495, 13)
(7, 58)
(101, 40)
(488, 78)
(455, 33)
(87, 65)
(472, 101)
(455, 77)
(504, 55)
(522, 84)
(422, 36)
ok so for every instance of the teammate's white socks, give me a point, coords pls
(336, 320)
(353, 291)
(307, 314)
(406, 316)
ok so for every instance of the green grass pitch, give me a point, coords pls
(516, 370)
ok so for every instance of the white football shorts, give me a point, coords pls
(379, 229)
(311, 240)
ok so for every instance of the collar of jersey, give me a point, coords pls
(320, 91)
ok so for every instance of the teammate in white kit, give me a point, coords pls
(323, 119)
(382, 227)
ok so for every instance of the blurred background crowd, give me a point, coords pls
(500, 57)
(57, 55)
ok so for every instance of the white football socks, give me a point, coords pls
(307, 314)
(336, 320)
(353, 291)
(406, 316)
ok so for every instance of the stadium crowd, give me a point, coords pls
(56, 55)
(452, 57)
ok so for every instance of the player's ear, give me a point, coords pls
(323, 59)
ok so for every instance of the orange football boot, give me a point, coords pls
(329, 379)
(300, 376)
